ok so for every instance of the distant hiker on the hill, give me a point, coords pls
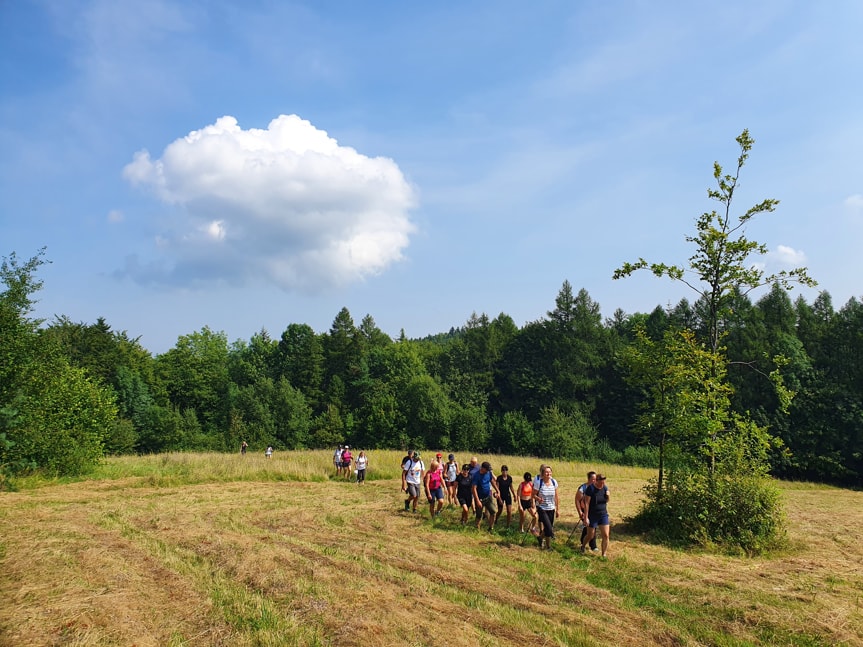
(269, 452)
(347, 457)
(244, 447)
(362, 464)
(337, 460)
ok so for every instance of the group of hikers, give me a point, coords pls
(473, 486)
(343, 460)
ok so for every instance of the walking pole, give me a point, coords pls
(578, 526)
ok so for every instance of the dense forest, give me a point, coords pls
(557, 386)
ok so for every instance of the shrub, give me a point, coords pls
(733, 514)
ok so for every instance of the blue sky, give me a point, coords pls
(247, 165)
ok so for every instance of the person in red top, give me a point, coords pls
(433, 482)
(525, 500)
(347, 457)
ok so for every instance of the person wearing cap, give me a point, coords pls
(413, 472)
(597, 513)
(451, 471)
(507, 494)
(485, 502)
(547, 497)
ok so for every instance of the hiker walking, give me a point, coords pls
(548, 502)
(451, 472)
(413, 471)
(507, 494)
(485, 503)
(362, 464)
(525, 503)
(597, 516)
(433, 482)
(581, 508)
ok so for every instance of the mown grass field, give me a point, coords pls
(213, 549)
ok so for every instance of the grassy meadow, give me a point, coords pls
(211, 549)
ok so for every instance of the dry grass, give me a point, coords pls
(221, 550)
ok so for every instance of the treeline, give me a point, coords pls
(553, 387)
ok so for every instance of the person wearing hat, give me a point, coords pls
(485, 502)
(597, 497)
(413, 472)
(451, 471)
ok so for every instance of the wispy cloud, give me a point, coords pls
(854, 202)
(785, 255)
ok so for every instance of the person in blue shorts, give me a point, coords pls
(485, 502)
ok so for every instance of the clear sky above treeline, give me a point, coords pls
(250, 165)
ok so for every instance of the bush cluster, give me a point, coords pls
(741, 514)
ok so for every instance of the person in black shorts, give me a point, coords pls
(507, 493)
(464, 492)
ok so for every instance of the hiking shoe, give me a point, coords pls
(594, 550)
(582, 550)
(407, 505)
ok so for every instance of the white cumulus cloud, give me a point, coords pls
(287, 204)
(785, 255)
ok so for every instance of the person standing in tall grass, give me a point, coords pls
(337, 460)
(347, 457)
(362, 464)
